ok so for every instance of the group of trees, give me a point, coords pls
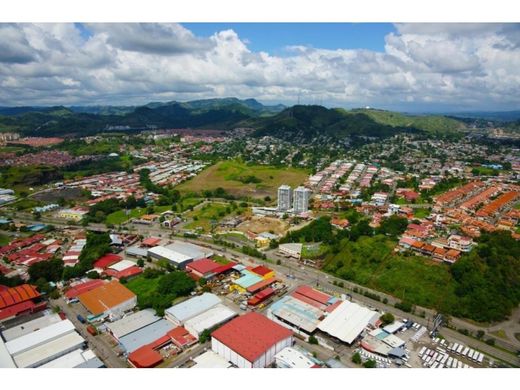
(101, 210)
(487, 279)
(169, 287)
(97, 245)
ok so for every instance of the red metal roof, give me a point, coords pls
(126, 273)
(251, 335)
(261, 270)
(14, 310)
(15, 295)
(203, 266)
(81, 288)
(261, 296)
(260, 285)
(151, 241)
(224, 268)
(181, 337)
(313, 294)
(145, 357)
(107, 260)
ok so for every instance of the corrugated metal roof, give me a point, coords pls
(251, 335)
(30, 326)
(6, 361)
(105, 297)
(347, 322)
(39, 337)
(191, 250)
(210, 318)
(192, 307)
(18, 294)
(42, 353)
(132, 322)
(145, 335)
(298, 313)
(211, 359)
(169, 254)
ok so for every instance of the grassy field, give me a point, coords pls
(371, 262)
(314, 250)
(118, 217)
(11, 149)
(187, 202)
(141, 286)
(230, 175)
(204, 215)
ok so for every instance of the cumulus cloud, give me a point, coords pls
(445, 66)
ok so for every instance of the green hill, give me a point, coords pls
(429, 123)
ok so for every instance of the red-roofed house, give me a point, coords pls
(107, 260)
(203, 268)
(181, 337)
(251, 340)
(81, 288)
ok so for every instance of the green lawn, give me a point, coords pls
(141, 286)
(118, 217)
(220, 259)
(421, 213)
(228, 175)
(206, 214)
(187, 202)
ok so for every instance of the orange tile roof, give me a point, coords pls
(105, 297)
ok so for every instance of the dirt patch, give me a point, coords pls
(57, 194)
(264, 224)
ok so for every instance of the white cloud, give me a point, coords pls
(474, 66)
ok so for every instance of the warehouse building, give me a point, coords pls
(75, 359)
(131, 323)
(177, 259)
(111, 299)
(30, 326)
(294, 358)
(210, 359)
(145, 335)
(296, 315)
(209, 319)
(348, 321)
(196, 252)
(203, 268)
(247, 280)
(19, 300)
(182, 312)
(251, 340)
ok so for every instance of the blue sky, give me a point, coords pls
(274, 37)
(407, 67)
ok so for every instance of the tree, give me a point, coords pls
(356, 358)
(370, 364)
(480, 334)
(313, 340)
(92, 275)
(393, 226)
(202, 282)
(176, 283)
(50, 271)
(140, 263)
(387, 319)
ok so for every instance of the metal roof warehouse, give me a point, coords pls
(190, 308)
(145, 335)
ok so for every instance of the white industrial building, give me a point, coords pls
(30, 326)
(302, 197)
(39, 337)
(215, 316)
(210, 359)
(179, 260)
(49, 351)
(74, 359)
(348, 321)
(284, 197)
(291, 249)
(182, 312)
(132, 322)
(292, 358)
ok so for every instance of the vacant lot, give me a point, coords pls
(141, 286)
(121, 216)
(240, 179)
(54, 196)
(264, 224)
(210, 213)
